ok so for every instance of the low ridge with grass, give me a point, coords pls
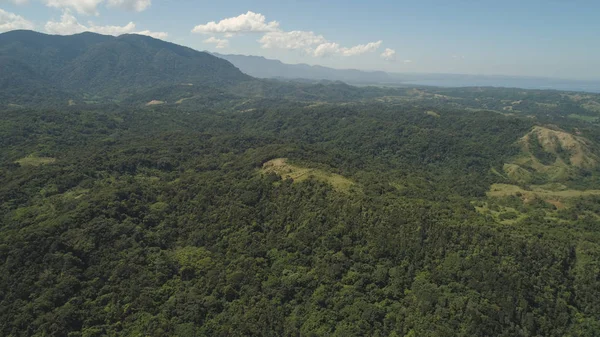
(552, 155)
(281, 167)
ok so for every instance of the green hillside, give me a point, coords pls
(94, 64)
(183, 207)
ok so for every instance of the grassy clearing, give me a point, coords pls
(553, 141)
(592, 106)
(547, 105)
(281, 167)
(503, 215)
(494, 171)
(517, 173)
(555, 154)
(541, 191)
(185, 99)
(76, 193)
(35, 161)
(589, 119)
(432, 113)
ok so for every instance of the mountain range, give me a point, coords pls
(261, 67)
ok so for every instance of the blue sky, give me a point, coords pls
(529, 37)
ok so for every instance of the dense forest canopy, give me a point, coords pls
(266, 208)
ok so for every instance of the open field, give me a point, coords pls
(504, 190)
(281, 167)
(35, 161)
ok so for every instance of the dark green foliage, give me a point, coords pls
(156, 222)
(103, 65)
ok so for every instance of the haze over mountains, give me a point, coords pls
(91, 64)
(261, 67)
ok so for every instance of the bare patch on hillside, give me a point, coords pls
(555, 141)
(592, 106)
(517, 173)
(281, 167)
(35, 161)
(154, 102)
(541, 191)
(554, 154)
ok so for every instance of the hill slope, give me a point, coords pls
(98, 64)
(552, 155)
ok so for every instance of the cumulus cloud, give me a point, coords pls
(88, 7)
(68, 24)
(389, 54)
(10, 21)
(219, 43)
(133, 5)
(313, 44)
(156, 35)
(360, 49)
(276, 38)
(244, 23)
(16, 2)
(291, 40)
(330, 48)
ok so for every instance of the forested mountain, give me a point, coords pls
(95, 64)
(243, 207)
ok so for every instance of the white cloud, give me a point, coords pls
(133, 5)
(326, 49)
(330, 48)
(244, 23)
(313, 44)
(156, 35)
(112, 30)
(219, 43)
(68, 25)
(10, 21)
(291, 40)
(16, 2)
(407, 61)
(389, 54)
(276, 38)
(361, 48)
(88, 7)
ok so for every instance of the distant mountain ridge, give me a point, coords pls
(258, 66)
(93, 63)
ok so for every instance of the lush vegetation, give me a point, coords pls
(396, 212)
(158, 221)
